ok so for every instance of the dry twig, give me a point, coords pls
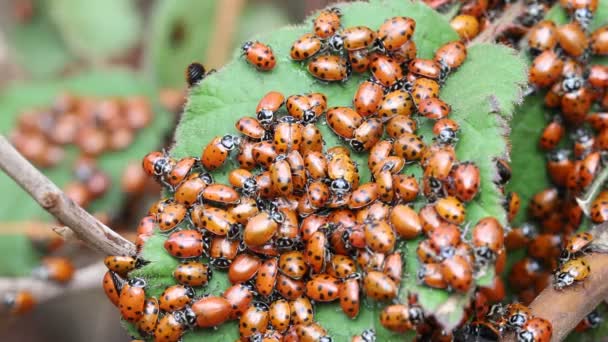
(500, 24)
(95, 234)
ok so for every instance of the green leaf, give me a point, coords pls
(108, 83)
(259, 18)
(18, 256)
(482, 106)
(97, 30)
(38, 47)
(527, 160)
(180, 34)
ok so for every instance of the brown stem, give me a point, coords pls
(588, 197)
(498, 25)
(88, 229)
(226, 23)
(42, 290)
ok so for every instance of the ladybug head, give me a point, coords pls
(416, 314)
(326, 339)
(137, 282)
(261, 306)
(336, 42)
(594, 319)
(446, 136)
(186, 317)
(572, 83)
(340, 186)
(558, 155)
(276, 216)
(230, 142)
(9, 299)
(336, 10)
(356, 145)
(265, 116)
(257, 337)
(234, 233)
(583, 16)
(163, 166)
(563, 279)
(369, 335)
(309, 116)
(221, 263)
(288, 119)
(525, 336)
(285, 243)
(189, 292)
(246, 46)
(517, 320)
(206, 177)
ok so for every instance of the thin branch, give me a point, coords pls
(587, 199)
(42, 290)
(227, 15)
(500, 24)
(95, 234)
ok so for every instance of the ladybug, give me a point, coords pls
(379, 286)
(503, 170)
(536, 329)
(467, 26)
(211, 311)
(220, 193)
(559, 166)
(406, 187)
(517, 315)
(239, 296)
(598, 78)
(250, 127)
(261, 228)
(259, 55)
(584, 142)
(400, 317)
(543, 203)
(425, 67)
(405, 221)
(312, 332)
(216, 152)
(327, 22)
(465, 181)
(488, 238)
(323, 288)
(58, 269)
(591, 321)
(121, 265)
(542, 36)
(430, 274)
(170, 327)
(244, 180)
(576, 244)
(267, 277)
(521, 236)
(572, 39)
(343, 121)
(393, 266)
(268, 106)
(552, 134)
(379, 152)
(386, 70)
(312, 140)
(366, 135)
(424, 88)
(439, 164)
(357, 37)
(512, 205)
(289, 288)
(599, 41)
(458, 272)
(147, 323)
(19, 303)
(359, 60)
(195, 72)
(157, 164)
(395, 103)
(395, 32)
(349, 293)
(445, 131)
(215, 220)
(380, 237)
(384, 182)
(192, 273)
(318, 194)
(367, 98)
(330, 68)
(451, 55)
(280, 315)
(301, 311)
(132, 299)
(280, 175)
(369, 261)
(546, 69)
(571, 271)
(181, 170)
(293, 265)
(315, 251)
(444, 239)
(478, 330)
(243, 268)
(112, 285)
(451, 209)
(264, 153)
(305, 47)
(172, 215)
(188, 192)
(343, 173)
(299, 107)
(409, 146)
(400, 124)
(254, 319)
(341, 266)
(576, 104)
(185, 244)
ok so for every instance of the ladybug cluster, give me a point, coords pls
(295, 226)
(94, 126)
